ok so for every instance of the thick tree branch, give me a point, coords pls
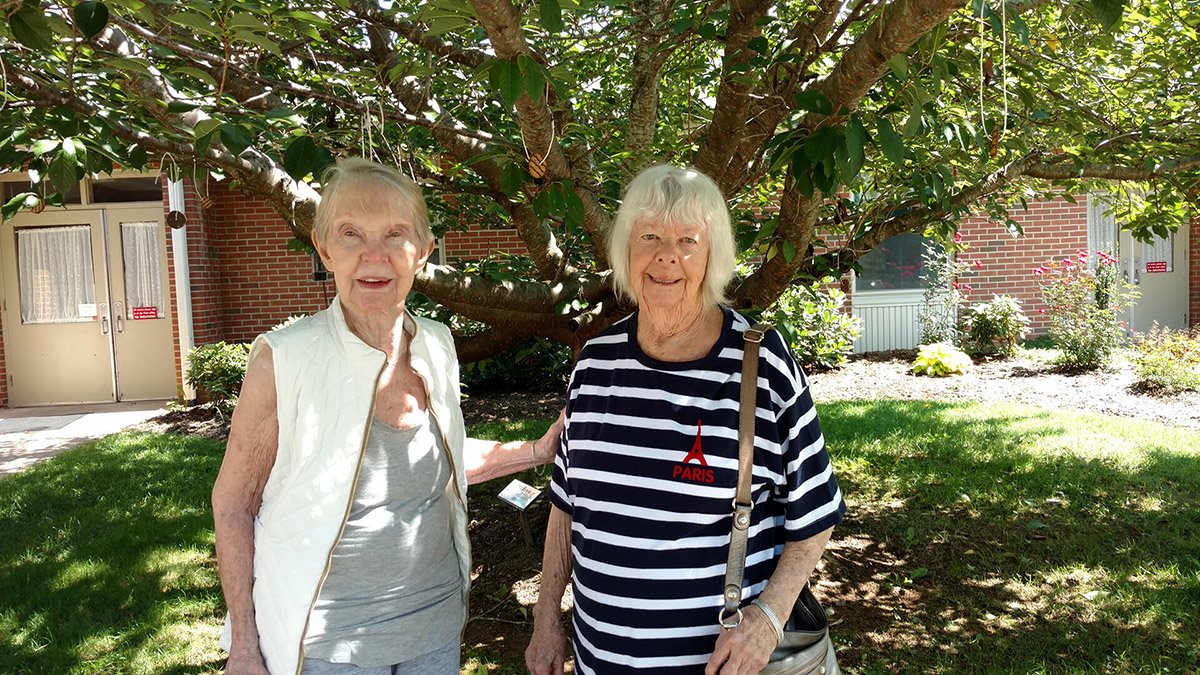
(733, 95)
(649, 57)
(899, 26)
(450, 285)
(502, 22)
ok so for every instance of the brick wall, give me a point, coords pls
(260, 282)
(1053, 230)
(475, 244)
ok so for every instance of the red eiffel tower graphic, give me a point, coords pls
(696, 453)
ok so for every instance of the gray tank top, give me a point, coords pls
(394, 589)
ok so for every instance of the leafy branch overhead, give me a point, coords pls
(831, 125)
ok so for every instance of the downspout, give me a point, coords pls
(183, 288)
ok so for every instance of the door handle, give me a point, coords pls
(103, 319)
(118, 320)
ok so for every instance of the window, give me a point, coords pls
(54, 273)
(117, 190)
(143, 270)
(13, 188)
(895, 265)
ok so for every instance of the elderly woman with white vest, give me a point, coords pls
(340, 507)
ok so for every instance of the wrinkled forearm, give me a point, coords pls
(795, 566)
(556, 566)
(234, 529)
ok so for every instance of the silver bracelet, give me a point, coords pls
(770, 614)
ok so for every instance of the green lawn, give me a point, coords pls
(980, 539)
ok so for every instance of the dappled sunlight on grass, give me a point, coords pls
(1046, 536)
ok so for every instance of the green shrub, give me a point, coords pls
(996, 327)
(811, 319)
(218, 369)
(536, 364)
(1085, 308)
(1169, 360)
(940, 359)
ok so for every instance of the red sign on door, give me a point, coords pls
(1159, 266)
(143, 312)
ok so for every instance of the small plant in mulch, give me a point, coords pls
(1168, 361)
(940, 359)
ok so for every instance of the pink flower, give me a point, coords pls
(1068, 262)
(957, 237)
(1041, 311)
(1121, 324)
(978, 264)
(954, 285)
(1038, 271)
(967, 286)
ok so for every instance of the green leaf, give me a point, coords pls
(913, 127)
(1034, 525)
(63, 173)
(198, 74)
(1109, 12)
(301, 157)
(511, 178)
(91, 17)
(551, 16)
(899, 65)
(74, 151)
(30, 27)
(813, 101)
(856, 143)
(260, 41)
(236, 138)
(574, 216)
(893, 145)
(534, 82)
(43, 146)
(789, 251)
(505, 77)
(25, 200)
(139, 66)
(181, 107)
(280, 113)
(196, 21)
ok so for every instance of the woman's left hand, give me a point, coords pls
(746, 649)
(546, 447)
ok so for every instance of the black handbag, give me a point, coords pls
(805, 647)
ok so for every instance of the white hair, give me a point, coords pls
(354, 178)
(670, 194)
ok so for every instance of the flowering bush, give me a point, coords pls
(943, 291)
(1084, 307)
(1169, 360)
(940, 359)
(996, 327)
(812, 321)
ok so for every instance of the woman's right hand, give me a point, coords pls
(547, 651)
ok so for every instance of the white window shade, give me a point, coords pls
(143, 269)
(54, 271)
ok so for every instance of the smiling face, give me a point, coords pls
(374, 252)
(667, 263)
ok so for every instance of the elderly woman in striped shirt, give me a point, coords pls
(647, 468)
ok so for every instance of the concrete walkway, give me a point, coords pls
(32, 435)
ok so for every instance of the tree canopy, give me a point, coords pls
(830, 125)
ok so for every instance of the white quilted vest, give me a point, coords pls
(325, 379)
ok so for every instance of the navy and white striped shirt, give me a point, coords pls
(648, 469)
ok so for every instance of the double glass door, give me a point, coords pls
(86, 311)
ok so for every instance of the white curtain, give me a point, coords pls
(1102, 229)
(1158, 252)
(54, 270)
(143, 268)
